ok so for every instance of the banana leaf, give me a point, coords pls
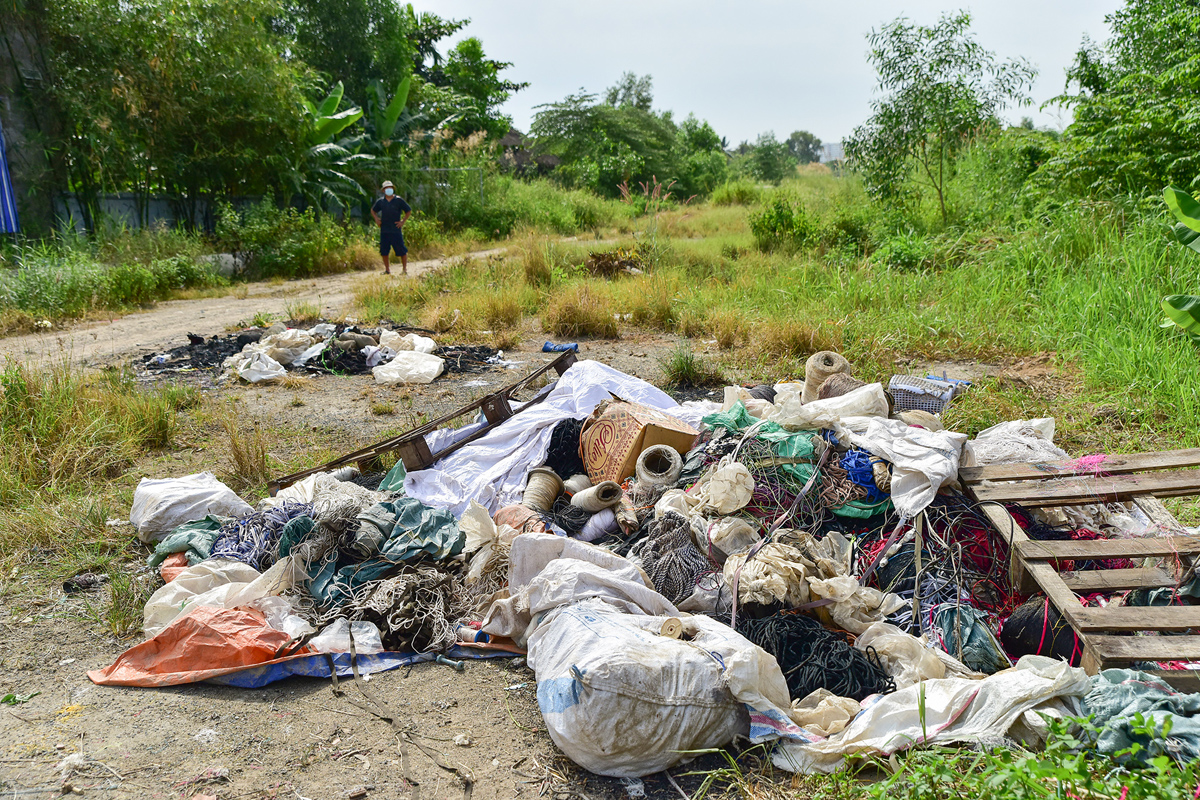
(1186, 236)
(328, 127)
(1183, 206)
(1183, 310)
(332, 101)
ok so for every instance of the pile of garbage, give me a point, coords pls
(262, 355)
(794, 565)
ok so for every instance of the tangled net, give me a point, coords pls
(671, 558)
(813, 657)
(254, 538)
(477, 593)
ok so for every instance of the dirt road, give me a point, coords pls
(101, 342)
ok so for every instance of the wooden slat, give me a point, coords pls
(1182, 680)
(1078, 491)
(1112, 465)
(1124, 649)
(1071, 549)
(1136, 618)
(1114, 580)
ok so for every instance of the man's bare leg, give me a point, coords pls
(404, 263)
(387, 265)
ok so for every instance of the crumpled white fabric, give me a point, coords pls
(777, 573)
(923, 461)
(909, 660)
(217, 583)
(793, 414)
(409, 341)
(855, 606)
(724, 490)
(955, 710)
(824, 713)
(491, 470)
(258, 368)
(285, 347)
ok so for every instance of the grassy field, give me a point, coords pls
(1078, 289)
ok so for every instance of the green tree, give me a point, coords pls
(702, 163)
(1136, 104)
(804, 147)
(769, 159)
(602, 145)
(633, 91)
(351, 41)
(939, 87)
(474, 76)
(154, 105)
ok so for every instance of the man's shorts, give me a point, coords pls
(392, 240)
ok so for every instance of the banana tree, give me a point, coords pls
(321, 172)
(1183, 310)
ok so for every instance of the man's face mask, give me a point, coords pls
(389, 192)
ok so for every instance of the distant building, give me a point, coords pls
(832, 151)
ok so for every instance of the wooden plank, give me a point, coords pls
(1079, 491)
(1113, 580)
(1158, 513)
(1136, 618)
(1124, 649)
(1112, 465)
(1073, 550)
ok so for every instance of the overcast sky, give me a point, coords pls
(753, 65)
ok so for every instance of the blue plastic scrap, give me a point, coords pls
(551, 347)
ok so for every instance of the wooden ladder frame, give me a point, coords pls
(1141, 479)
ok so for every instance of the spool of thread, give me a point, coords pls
(576, 484)
(345, 473)
(658, 465)
(672, 628)
(818, 369)
(541, 487)
(881, 474)
(603, 495)
(838, 384)
(465, 633)
(602, 523)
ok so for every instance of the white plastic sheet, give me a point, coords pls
(409, 366)
(942, 711)
(409, 341)
(217, 583)
(335, 637)
(285, 347)
(163, 504)
(491, 470)
(791, 413)
(922, 461)
(259, 368)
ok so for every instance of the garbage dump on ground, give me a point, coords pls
(795, 565)
(393, 354)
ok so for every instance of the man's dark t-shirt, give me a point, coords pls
(390, 211)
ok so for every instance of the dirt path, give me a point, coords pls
(100, 343)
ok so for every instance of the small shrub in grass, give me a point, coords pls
(248, 466)
(736, 193)
(685, 369)
(728, 327)
(579, 310)
(907, 251)
(304, 314)
(280, 242)
(653, 305)
(441, 316)
(535, 263)
(127, 599)
(693, 323)
(501, 310)
(796, 339)
(783, 225)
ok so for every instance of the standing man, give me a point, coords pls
(387, 211)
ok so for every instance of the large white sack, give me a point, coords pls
(409, 366)
(942, 711)
(216, 583)
(162, 504)
(622, 700)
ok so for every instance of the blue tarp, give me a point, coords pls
(8, 198)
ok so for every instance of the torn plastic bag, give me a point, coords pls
(218, 583)
(622, 700)
(287, 346)
(726, 490)
(907, 659)
(409, 366)
(922, 461)
(823, 713)
(776, 574)
(941, 712)
(855, 606)
(259, 368)
(726, 536)
(161, 505)
(335, 637)
(408, 341)
(278, 613)
(477, 527)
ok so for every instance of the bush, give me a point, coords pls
(782, 225)
(280, 243)
(736, 193)
(906, 250)
(422, 232)
(580, 311)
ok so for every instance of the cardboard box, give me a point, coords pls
(617, 433)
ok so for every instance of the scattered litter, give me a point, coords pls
(205, 736)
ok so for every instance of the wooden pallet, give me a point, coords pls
(1141, 479)
(411, 445)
